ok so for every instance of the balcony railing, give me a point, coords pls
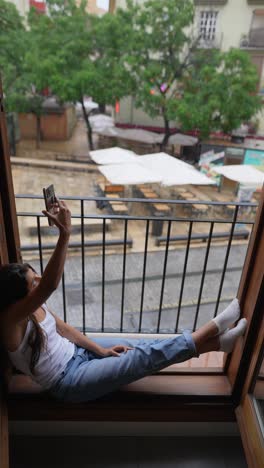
(164, 283)
(255, 39)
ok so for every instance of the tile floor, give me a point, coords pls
(126, 452)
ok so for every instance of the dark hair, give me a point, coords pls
(14, 286)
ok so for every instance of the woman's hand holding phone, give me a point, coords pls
(60, 215)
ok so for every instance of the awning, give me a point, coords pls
(244, 174)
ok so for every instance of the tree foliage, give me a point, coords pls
(202, 89)
(12, 47)
(151, 51)
(81, 55)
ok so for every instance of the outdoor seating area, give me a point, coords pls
(113, 193)
(157, 209)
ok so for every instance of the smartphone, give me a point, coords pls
(50, 198)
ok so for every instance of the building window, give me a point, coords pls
(207, 26)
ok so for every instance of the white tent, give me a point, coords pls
(100, 122)
(244, 174)
(182, 140)
(173, 171)
(152, 168)
(129, 174)
(135, 134)
(145, 136)
(113, 156)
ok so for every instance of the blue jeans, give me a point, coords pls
(88, 376)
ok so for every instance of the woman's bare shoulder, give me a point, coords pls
(12, 333)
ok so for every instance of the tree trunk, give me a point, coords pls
(88, 125)
(101, 108)
(167, 132)
(38, 139)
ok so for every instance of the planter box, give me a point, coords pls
(57, 123)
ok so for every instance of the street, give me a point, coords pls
(152, 291)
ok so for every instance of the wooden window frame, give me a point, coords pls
(9, 234)
(9, 251)
(251, 433)
(187, 391)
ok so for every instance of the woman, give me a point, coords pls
(64, 361)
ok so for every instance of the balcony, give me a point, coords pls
(255, 39)
(141, 273)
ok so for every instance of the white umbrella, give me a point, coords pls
(182, 140)
(242, 173)
(100, 122)
(114, 155)
(173, 171)
(129, 174)
(135, 134)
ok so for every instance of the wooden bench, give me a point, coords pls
(149, 194)
(118, 208)
(90, 225)
(199, 209)
(239, 234)
(74, 245)
(161, 208)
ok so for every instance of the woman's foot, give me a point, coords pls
(228, 317)
(227, 340)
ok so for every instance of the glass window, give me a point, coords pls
(207, 26)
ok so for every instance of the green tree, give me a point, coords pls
(82, 55)
(12, 47)
(202, 89)
(21, 65)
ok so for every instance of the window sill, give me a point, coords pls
(155, 398)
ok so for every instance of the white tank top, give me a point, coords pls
(53, 358)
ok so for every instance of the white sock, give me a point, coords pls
(227, 340)
(229, 316)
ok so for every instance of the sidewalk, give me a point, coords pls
(74, 148)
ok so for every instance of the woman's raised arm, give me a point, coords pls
(53, 271)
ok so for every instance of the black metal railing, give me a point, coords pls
(152, 289)
(256, 37)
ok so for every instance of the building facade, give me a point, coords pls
(222, 24)
(96, 7)
(22, 6)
